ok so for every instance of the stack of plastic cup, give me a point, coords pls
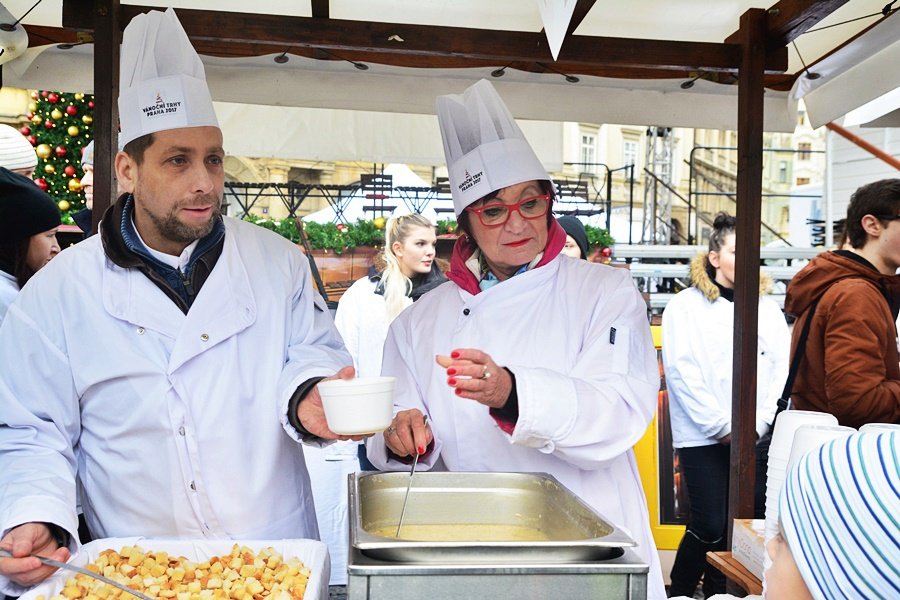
(811, 437)
(780, 452)
(879, 427)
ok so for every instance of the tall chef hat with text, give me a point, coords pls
(484, 148)
(163, 84)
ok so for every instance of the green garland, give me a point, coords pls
(339, 238)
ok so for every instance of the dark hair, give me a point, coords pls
(462, 221)
(136, 147)
(879, 199)
(723, 226)
(13, 257)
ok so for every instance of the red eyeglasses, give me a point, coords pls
(495, 215)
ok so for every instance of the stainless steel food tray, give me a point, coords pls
(575, 532)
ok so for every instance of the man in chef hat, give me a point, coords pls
(542, 363)
(170, 362)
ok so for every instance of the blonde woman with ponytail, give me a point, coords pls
(366, 309)
(364, 313)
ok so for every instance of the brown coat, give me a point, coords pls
(851, 366)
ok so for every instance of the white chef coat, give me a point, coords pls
(9, 289)
(577, 338)
(698, 354)
(176, 424)
(363, 321)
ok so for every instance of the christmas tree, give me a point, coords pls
(61, 125)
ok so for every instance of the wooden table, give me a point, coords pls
(735, 571)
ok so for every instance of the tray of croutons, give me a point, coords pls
(194, 569)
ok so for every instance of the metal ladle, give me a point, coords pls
(408, 487)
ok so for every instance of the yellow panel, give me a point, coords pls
(646, 452)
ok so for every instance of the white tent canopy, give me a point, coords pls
(336, 84)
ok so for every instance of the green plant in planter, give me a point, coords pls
(599, 237)
(286, 227)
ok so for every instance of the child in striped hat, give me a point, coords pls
(840, 522)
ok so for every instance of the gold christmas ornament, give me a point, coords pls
(43, 151)
(87, 119)
(56, 114)
(79, 96)
(73, 131)
(379, 222)
(50, 169)
(32, 106)
(37, 119)
(63, 205)
(74, 185)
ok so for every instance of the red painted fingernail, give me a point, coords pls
(454, 354)
(458, 392)
(421, 449)
(451, 381)
(451, 371)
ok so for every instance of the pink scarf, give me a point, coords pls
(465, 247)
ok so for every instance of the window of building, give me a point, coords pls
(782, 171)
(804, 151)
(802, 180)
(630, 154)
(588, 152)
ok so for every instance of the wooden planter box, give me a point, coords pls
(339, 271)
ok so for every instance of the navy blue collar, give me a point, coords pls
(133, 241)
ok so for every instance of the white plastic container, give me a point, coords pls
(358, 406)
(312, 553)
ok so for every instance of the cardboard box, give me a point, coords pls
(748, 544)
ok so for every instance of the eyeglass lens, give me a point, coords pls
(529, 208)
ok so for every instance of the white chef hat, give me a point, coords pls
(15, 151)
(839, 511)
(162, 81)
(484, 148)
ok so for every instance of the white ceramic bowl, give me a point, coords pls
(358, 406)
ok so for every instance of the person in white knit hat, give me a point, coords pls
(16, 154)
(170, 363)
(526, 360)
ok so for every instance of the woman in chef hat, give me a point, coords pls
(528, 362)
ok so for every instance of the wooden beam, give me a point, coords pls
(320, 9)
(746, 288)
(107, 40)
(789, 19)
(284, 33)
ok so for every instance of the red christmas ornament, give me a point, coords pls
(606, 252)
(91, 104)
(341, 227)
(44, 94)
(42, 183)
(71, 110)
(26, 130)
(49, 124)
(52, 98)
(32, 140)
(61, 151)
(69, 171)
(29, 115)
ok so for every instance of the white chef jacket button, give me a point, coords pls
(140, 331)
(204, 337)
(193, 487)
(466, 311)
(181, 430)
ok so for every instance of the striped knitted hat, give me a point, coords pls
(840, 512)
(15, 151)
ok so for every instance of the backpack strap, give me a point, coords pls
(785, 400)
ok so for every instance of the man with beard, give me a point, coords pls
(168, 365)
